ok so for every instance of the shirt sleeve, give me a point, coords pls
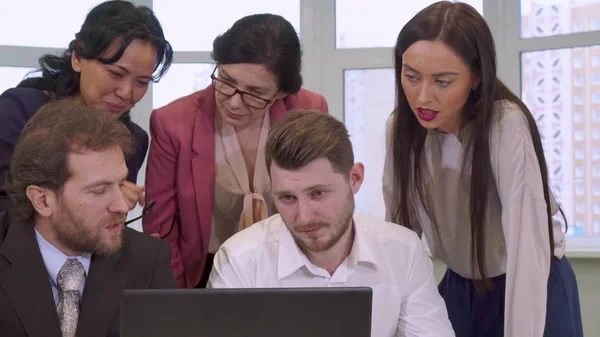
(525, 224)
(227, 272)
(423, 310)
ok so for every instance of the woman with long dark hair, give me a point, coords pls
(466, 167)
(109, 65)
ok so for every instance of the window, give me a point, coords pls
(57, 33)
(182, 79)
(596, 227)
(368, 101)
(553, 83)
(596, 98)
(596, 154)
(596, 208)
(579, 189)
(597, 171)
(11, 76)
(193, 25)
(580, 208)
(596, 189)
(595, 61)
(596, 79)
(376, 23)
(538, 18)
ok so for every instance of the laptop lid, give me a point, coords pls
(252, 312)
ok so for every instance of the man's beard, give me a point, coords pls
(341, 225)
(72, 233)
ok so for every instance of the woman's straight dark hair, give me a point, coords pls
(108, 22)
(266, 39)
(461, 28)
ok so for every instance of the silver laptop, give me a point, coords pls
(273, 312)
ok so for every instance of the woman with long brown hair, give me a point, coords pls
(466, 167)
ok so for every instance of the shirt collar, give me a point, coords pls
(291, 258)
(54, 258)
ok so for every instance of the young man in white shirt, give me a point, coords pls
(317, 240)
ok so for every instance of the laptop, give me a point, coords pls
(254, 312)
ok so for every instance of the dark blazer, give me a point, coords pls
(18, 105)
(26, 303)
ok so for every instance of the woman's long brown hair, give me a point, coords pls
(463, 29)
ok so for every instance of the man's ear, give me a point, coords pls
(357, 176)
(41, 199)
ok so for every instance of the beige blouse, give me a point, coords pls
(517, 241)
(237, 205)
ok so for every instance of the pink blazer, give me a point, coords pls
(180, 175)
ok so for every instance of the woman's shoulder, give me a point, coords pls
(510, 117)
(29, 99)
(305, 99)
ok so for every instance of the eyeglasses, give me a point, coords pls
(248, 99)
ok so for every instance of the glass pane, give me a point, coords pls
(558, 86)
(556, 17)
(58, 29)
(182, 79)
(368, 101)
(377, 23)
(11, 76)
(193, 25)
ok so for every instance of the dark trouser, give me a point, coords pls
(207, 268)
(475, 315)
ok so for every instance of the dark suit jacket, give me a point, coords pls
(18, 105)
(26, 303)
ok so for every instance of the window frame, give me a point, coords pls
(324, 65)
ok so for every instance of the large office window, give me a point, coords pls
(548, 52)
(556, 46)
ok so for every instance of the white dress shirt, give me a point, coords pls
(386, 257)
(517, 241)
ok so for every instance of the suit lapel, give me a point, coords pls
(101, 296)
(25, 282)
(203, 164)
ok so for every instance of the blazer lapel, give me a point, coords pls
(101, 297)
(25, 282)
(203, 164)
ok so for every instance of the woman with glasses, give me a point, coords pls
(119, 50)
(206, 167)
